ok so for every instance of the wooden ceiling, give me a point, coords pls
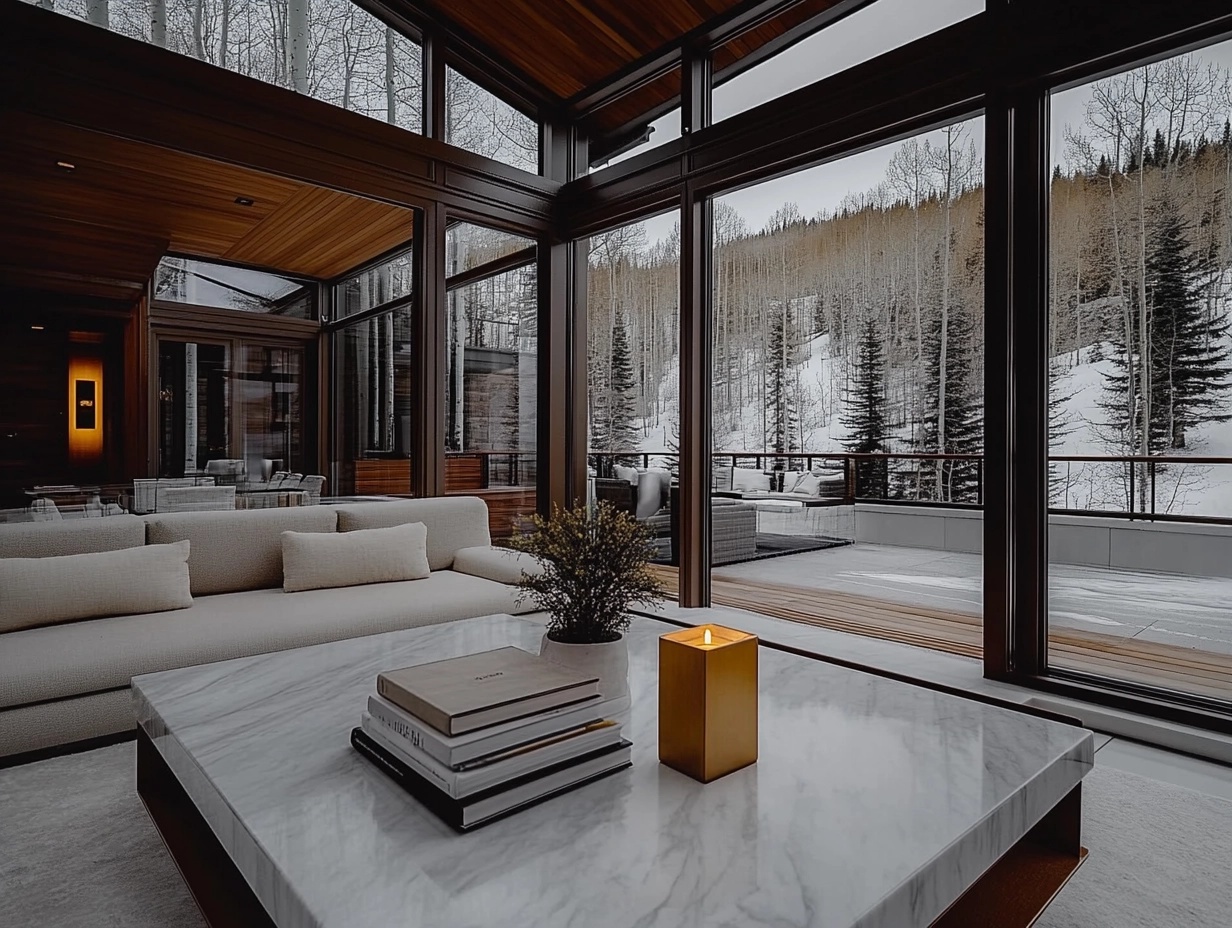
(574, 48)
(101, 226)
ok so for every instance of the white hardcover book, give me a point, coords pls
(459, 784)
(453, 750)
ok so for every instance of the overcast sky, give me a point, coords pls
(880, 27)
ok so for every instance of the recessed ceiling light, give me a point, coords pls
(67, 165)
(36, 328)
(244, 201)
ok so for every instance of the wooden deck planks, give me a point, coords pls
(1187, 670)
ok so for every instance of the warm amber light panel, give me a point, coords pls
(85, 445)
(707, 701)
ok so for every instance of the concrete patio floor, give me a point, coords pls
(1189, 612)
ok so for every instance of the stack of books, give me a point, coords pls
(477, 737)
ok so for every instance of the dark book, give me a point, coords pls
(499, 801)
(466, 693)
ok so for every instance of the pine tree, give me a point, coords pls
(1187, 353)
(622, 387)
(1059, 426)
(782, 416)
(864, 417)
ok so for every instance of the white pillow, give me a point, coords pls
(808, 485)
(747, 480)
(131, 581)
(320, 560)
(790, 479)
(627, 474)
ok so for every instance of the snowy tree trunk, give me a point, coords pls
(1144, 323)
(225, 29)
(198, 40)
(297, 44)
(391, 89)
(158, 22)
(98, 13)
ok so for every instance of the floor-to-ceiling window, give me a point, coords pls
(848, 386)
(633, 370)
(491, 371)
(373, 379)
(1140, 376)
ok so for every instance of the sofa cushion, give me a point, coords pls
(42, 590)
(503, 565)
(237, 550)
(99, 654)
(746, 480)
(76, 536)
(315, 560)
(453, 522)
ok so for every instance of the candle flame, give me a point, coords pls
(706, 637)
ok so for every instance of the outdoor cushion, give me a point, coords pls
(502, 565)
(82, 536)
(649, 495)
(318, 560)
(747, 480)
(98, 654)
(808, 485)
(453, 522)
(239, 549)
(41, 590)
(627, 474)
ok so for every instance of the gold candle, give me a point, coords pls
(707, 701)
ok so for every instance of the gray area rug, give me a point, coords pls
(77, 849)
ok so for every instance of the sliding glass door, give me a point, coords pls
(1140, 378)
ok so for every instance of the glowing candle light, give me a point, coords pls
(707, 701)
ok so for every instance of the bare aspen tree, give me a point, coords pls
(297, 44)
(158, 22)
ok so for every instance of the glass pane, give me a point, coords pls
(187, 280)
(491, 393)
(468, 246)
(481, 122)
(271, 391)
(194, 404)
(334, 52)
(633, 369)
(873, 30)
(376, 286)
(1140, 377)
(373, 403)
(848, 391)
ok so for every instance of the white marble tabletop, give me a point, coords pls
(873, 803)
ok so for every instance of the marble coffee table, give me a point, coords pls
(873, 803)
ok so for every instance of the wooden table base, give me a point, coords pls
(221, 892)
(1014, 891)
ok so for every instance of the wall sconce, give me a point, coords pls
(85, 412)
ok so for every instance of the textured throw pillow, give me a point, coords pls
(46, 590)
(750, 481)
(808, 485)
(318, 560)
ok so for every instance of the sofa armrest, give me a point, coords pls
(502, 565)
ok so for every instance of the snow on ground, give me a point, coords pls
(1182, 489)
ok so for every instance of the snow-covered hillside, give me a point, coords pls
(1196, 489)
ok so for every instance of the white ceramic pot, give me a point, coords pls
(609, 661)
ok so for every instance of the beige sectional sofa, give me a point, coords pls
(67, 681)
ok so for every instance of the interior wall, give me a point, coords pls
(46, 345)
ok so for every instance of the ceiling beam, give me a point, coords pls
(709, 35)
(468, 54)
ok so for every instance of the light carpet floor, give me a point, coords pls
(77, 849)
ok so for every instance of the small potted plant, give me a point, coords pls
(596, 565)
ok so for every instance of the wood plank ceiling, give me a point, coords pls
(101, 226)
(575, 47)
